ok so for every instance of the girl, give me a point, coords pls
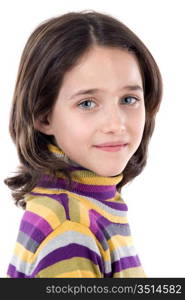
(83, 112)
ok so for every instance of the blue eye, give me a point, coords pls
(130, 100)
(86, 104)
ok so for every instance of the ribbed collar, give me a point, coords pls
(85, 182)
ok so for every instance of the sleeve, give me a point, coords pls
(69, 251)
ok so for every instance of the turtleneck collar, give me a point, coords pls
(84, 181)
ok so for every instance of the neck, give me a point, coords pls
(84, 181)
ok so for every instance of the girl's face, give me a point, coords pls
(101, 100)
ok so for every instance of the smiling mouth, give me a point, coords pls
(114, 148)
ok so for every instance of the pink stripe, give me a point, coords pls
(38, 222)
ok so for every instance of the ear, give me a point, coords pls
(43, 124)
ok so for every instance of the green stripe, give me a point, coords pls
(74, 209)
(70, 265)
(53, 205)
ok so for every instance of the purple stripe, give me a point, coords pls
(13, 273)
(125, 263)
(103, 222)
(91, 191)
(32, 231)
(58, 183)
(67, 252)
(37, 221)
(63, 199)
(93, 216)
(101, 238)
(118, 206)
(100, 192)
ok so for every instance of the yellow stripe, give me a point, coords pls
(76, 274)
(45, 191)
(86, 177)
(45, 213)
(23, 253)
(118, 240)
(136, 272)
(84, 216)
(55, 149)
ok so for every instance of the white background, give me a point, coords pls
(156, 198)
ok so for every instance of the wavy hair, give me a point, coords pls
(54, 48)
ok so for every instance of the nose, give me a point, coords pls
(114, 120)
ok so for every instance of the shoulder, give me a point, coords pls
(47, 239)
(70, 249)
(46, 218)
(41, 209)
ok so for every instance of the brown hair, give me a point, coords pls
(53, 48)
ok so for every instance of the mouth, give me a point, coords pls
(112, 148)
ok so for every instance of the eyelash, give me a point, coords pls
(91, 100)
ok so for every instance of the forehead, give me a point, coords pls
(104, 67)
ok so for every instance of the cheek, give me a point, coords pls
(138, 124)
(74, 131)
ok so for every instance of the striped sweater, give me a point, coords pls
(81, 233)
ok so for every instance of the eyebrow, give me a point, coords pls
(94, 91)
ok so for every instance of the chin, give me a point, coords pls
(110, 173)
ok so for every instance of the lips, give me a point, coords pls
(114, 148)
(112, 144)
